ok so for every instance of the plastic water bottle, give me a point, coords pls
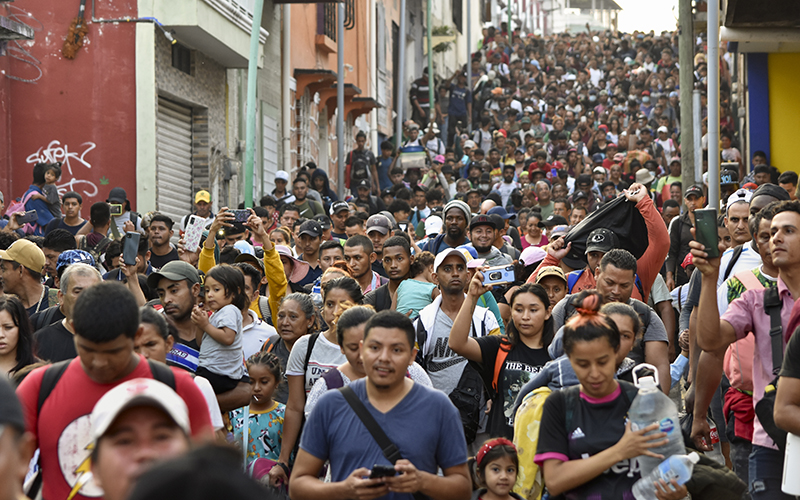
(678, 467)
(651, 406)
(716, 453)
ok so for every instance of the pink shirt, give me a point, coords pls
(746, 314)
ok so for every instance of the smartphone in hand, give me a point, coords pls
(130, 248)
(706, 230)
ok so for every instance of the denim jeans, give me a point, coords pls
(766, 472)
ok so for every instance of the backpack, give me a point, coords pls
(466, 397)
(574, 276)
(359, 169)
(53, 374)
(264, 309)
(530, 480)
(19, 206)
(737, 252)
(97, 250)
(766, 406)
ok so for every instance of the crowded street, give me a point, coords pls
(463, 250)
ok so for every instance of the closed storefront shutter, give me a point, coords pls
(174, 163)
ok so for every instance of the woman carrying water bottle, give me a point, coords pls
(586, 447)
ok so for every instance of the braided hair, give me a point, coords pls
(589, 324)
(268, 360)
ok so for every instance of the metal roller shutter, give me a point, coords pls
(174, 160)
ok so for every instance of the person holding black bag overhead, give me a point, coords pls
(370, 430)
(766, 313)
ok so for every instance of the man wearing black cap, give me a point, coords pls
(482, 230)
(363, 191)
(16, 445)
(583, 184)
(680, 236)
(118, 196)
(339, 211)
(309, 238)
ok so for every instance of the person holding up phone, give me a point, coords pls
(507, 361)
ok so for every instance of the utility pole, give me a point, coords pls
(686, 58)
(252, 82)
(401, 74)
(430, 65)
(340, 97)
(713, 104)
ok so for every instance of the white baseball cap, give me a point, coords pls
(433, 225)
(469, 144)
(664, 129)
(282, 175)
(138, 392)
(447, 253)
(739, 195)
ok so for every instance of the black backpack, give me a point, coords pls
(359, 169)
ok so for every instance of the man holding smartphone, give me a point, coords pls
(335, 432)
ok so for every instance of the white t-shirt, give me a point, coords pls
(255, 334)
(326, 355)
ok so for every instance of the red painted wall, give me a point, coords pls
(81, 112)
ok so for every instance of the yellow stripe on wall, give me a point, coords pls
(784, 110)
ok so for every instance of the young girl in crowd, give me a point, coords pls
(265, 415)
(419, 291)
(220, 336)
(586, 448)
(50, 191)
(16, 337)
(507, 362)
(496, 466)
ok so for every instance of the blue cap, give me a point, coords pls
(69, 257)
(597, 157)
(469, 249)
(501, 212)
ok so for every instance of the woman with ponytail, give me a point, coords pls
(508, 361)
(586, 448)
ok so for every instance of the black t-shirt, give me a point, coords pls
(595, 426)
(54, 343)
(158, 261)
(42, 304)
(791, 358)
(521, 364)
(38, 319)
(60, 224)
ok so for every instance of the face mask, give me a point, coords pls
(592, 98)
(645, 99)
(485, 187)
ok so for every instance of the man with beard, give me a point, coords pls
(308, 207)
(482, 230)
(397, 260)
(161, 251)
(178, 287)
(445, 367)
(457, 216)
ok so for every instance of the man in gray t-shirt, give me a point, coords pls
(615, 282)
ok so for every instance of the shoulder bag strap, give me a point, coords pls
(389, 449)
(311, 341)
(772, 306)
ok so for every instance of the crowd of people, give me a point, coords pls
(419, 337)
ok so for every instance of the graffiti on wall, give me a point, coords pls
(75, 166)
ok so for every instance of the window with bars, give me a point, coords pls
(326, 20)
